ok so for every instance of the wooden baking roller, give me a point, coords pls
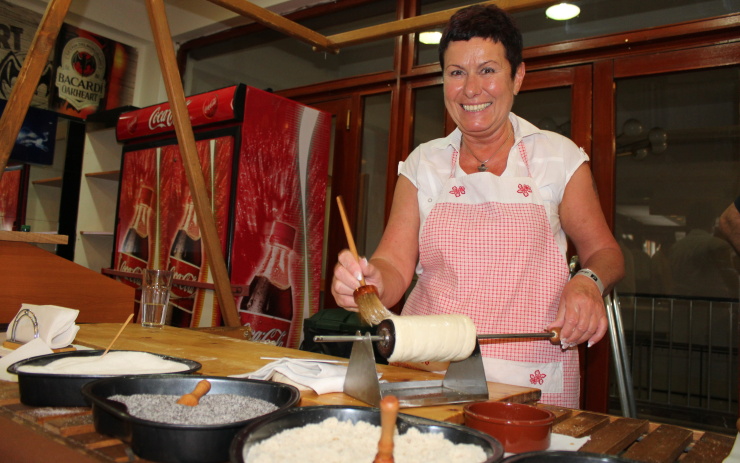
(437, 338)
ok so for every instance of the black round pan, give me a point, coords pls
(264, 428)
(564, 456)
(53, 390)
(163, 442)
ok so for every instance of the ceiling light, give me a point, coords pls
(562, 11)
(430, 37)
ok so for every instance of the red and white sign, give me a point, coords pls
(204, 109)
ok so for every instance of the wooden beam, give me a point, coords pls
(28, 77)
(368, 34)
(423, 22)
(279, 23)
(190, 161)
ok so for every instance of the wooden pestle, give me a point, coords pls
(191, 399)
(388, 414)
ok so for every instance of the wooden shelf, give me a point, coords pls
(109, 175)
(54, 181)
(96, 233)
(33, 237)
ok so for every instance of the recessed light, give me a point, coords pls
(562, 11)
(430, 37)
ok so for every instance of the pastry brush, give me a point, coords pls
(371, 310)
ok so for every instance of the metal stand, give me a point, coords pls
(465, 381)
(31, 316)
(621, 359)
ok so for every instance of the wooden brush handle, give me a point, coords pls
(348, 232)
(388, 414)
(193, 398)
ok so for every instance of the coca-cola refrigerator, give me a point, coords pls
(265, 162)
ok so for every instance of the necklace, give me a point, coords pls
(482, 167)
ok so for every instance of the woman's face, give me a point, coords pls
(478, 88)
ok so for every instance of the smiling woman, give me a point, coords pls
(485, 212)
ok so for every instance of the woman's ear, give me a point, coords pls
(519, 77)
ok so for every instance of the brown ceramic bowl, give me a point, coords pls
(520, 428)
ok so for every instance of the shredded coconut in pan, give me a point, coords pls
(334, 441)
(113, 363)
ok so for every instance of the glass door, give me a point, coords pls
(675, 145)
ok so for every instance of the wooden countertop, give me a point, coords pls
(68, 434)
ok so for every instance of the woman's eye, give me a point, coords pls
(488, 71)
(456, 73)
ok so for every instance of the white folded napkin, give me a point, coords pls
(56, 325)
(734, 456)
(563, 442)
(320, 375)
(30, 349)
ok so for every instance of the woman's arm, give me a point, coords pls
(581, 313)
(391, 267)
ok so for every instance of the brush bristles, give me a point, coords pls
(372, 311)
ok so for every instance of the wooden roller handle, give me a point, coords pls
(193, 398)
(555, 339)
(388, 414)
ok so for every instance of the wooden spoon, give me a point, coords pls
(388, 414)
(118, 334)
(191, 399)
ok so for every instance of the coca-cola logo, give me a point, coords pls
(272, 336)
(131, 264)
(183, 271)
(183, 290)
(125, 267)
(161, 118)
(210, 107)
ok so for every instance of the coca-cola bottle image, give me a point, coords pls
(186, 257)
(269, 307)
(134, 250)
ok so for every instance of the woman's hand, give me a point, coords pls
(581, 314)
(347, 275)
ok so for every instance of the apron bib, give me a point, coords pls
(487, 251)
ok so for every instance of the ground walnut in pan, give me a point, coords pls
(334, 441)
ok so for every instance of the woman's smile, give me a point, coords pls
(474, 108)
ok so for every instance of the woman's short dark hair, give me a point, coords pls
(487, 22)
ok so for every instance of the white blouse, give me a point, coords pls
(552, 160)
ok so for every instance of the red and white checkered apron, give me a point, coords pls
(487, 251)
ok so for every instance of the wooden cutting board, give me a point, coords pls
(224, 356)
